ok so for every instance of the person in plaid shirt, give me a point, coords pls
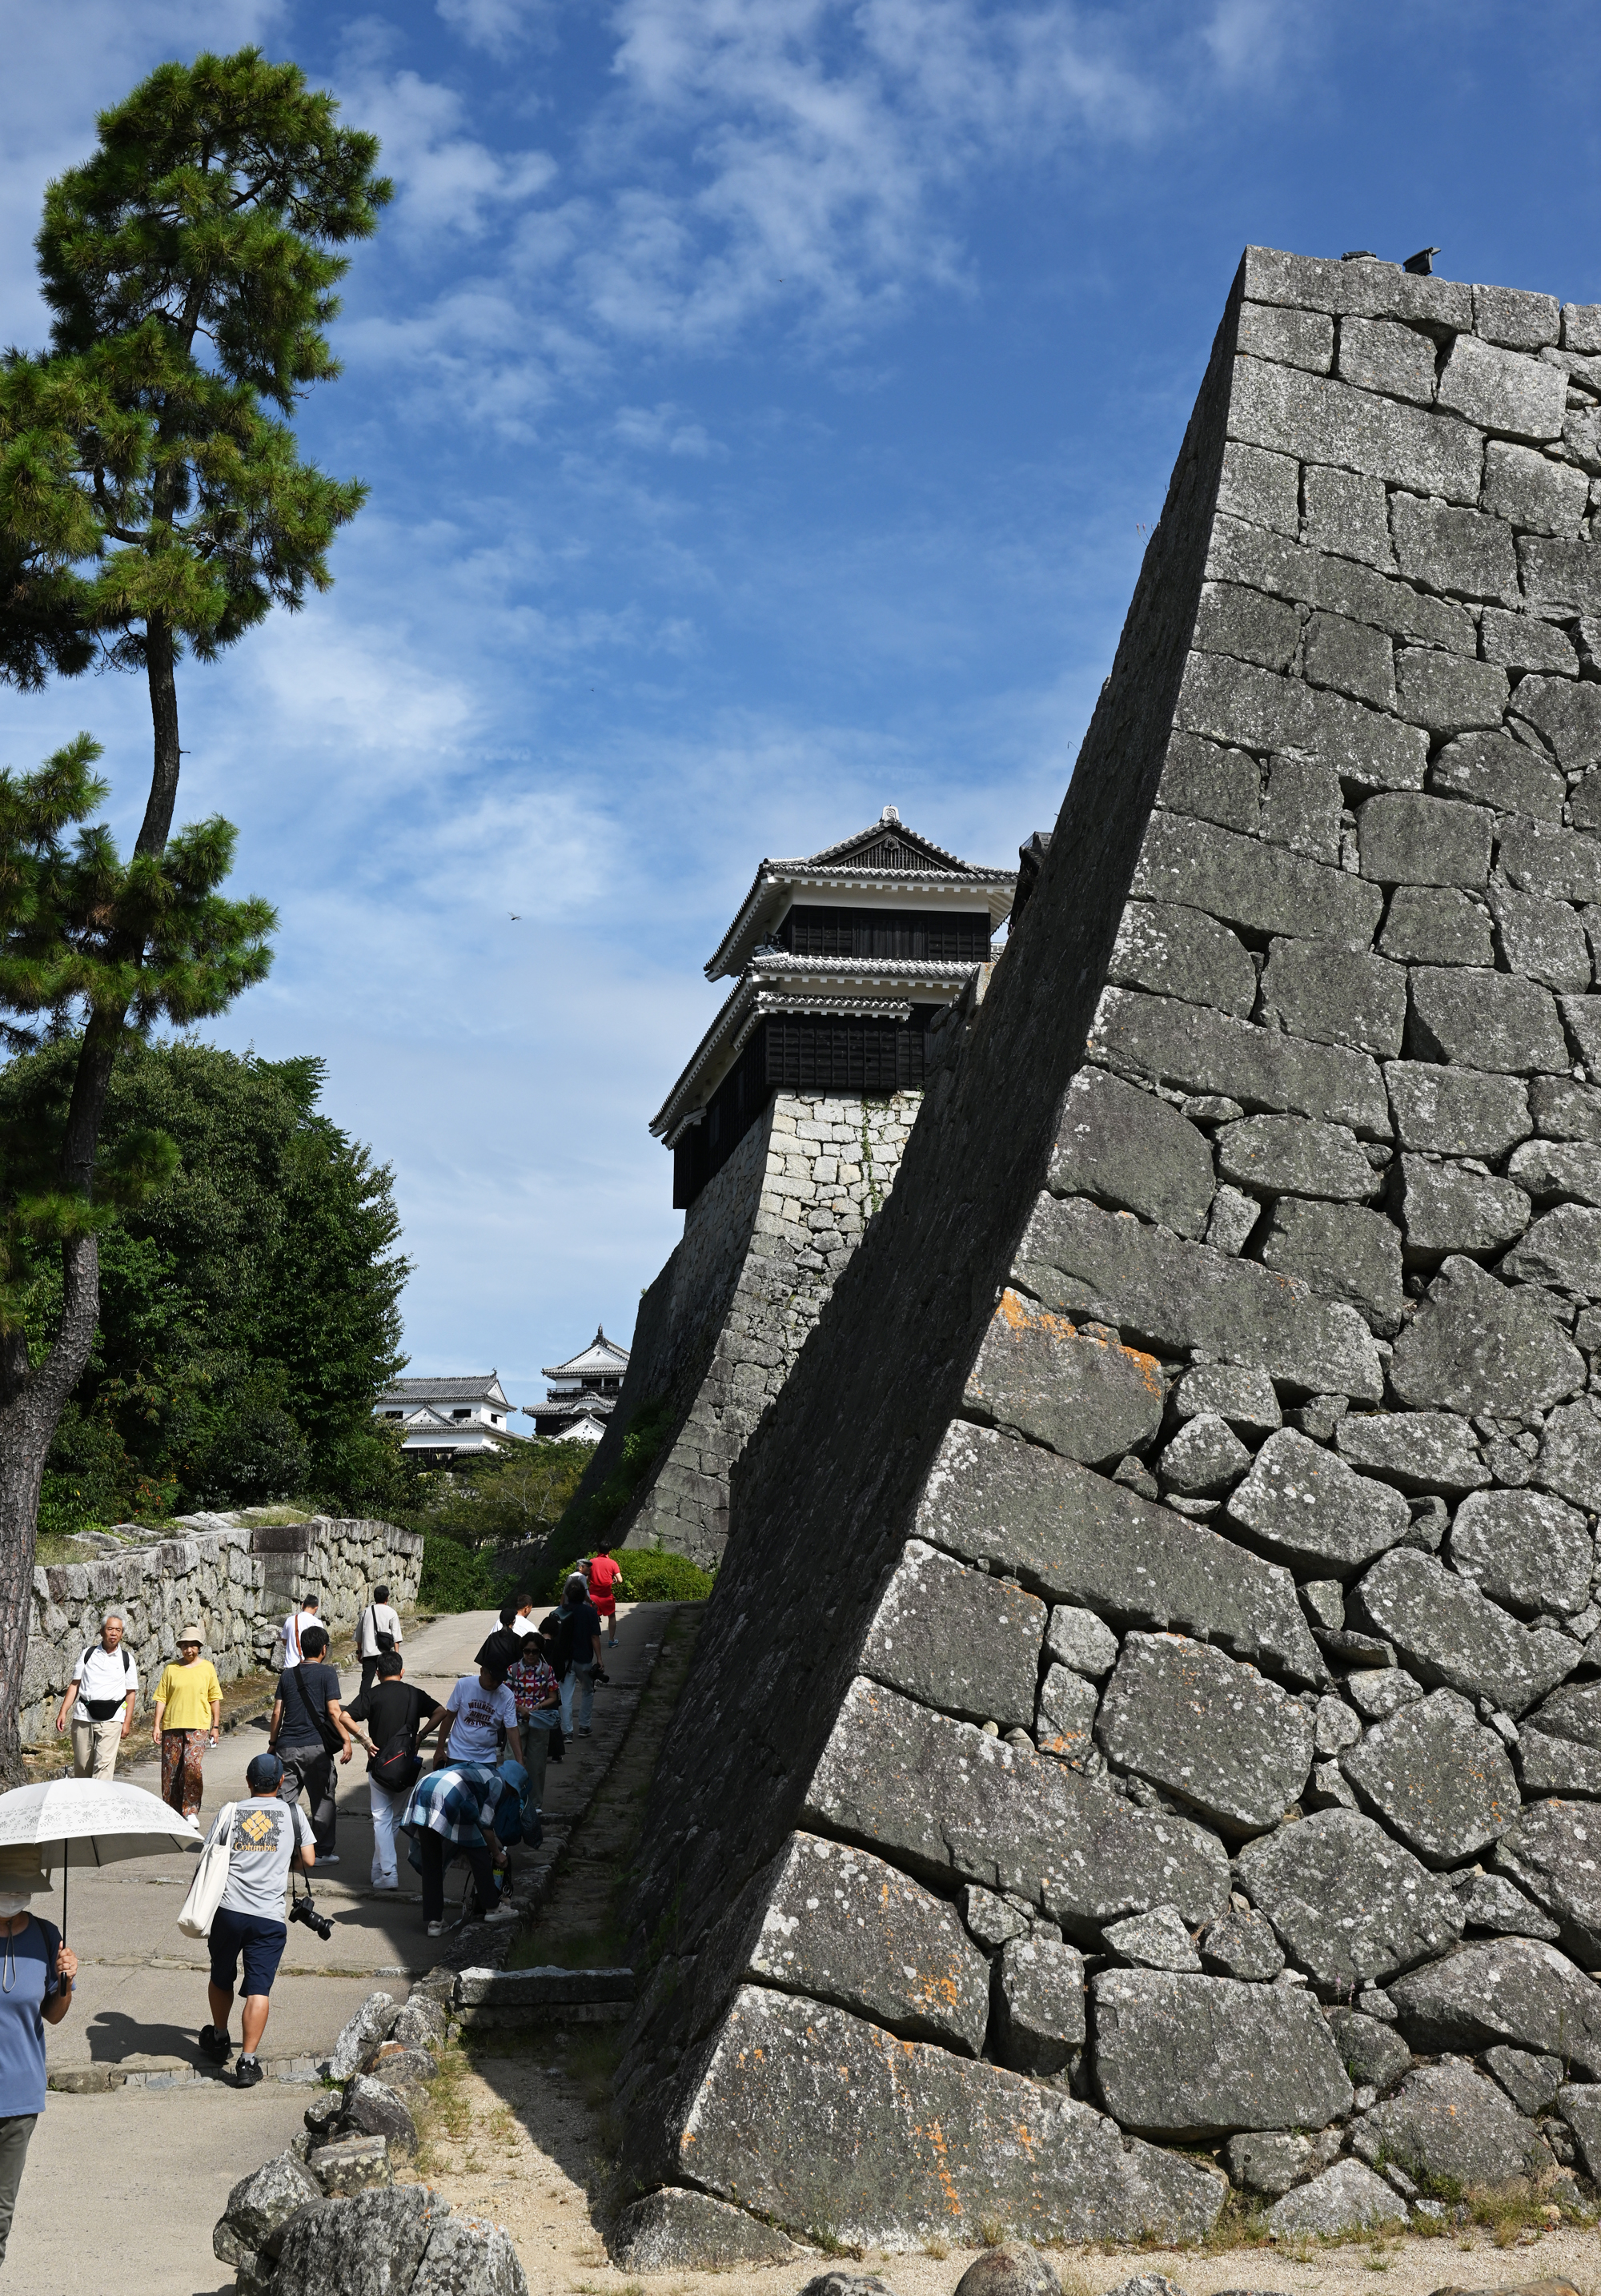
(538, 1694)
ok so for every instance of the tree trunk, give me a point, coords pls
(30, 1404)
(159, 661)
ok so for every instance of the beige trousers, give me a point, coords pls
(95, 1746)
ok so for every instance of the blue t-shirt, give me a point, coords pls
(27, 1979)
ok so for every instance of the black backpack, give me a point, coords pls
(100, 1709)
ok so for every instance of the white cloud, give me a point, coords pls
(664, 429)
(498, 25)
(447, 181)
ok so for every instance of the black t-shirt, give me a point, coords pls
(306, 1689)
(388, 1708)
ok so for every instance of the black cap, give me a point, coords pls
(265, 1774)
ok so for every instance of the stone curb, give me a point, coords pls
(95, 2081)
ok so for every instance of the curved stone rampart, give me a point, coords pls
(1153, 1698)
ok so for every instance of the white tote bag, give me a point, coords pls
(211, 1879)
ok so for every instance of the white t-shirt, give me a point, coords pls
(473, 1734)
(521, 1626)
(294, 1625)
(101, 1674)
(376, 1619)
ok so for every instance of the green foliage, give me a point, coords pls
(457, 1577)
(589, 1518)
(249, 1308)
(146, 496)
(650, 1574)
(508, 1498)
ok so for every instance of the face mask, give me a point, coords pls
(14, 1901)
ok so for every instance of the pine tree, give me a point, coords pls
(151, 504)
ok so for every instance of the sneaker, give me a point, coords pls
(331, 1858)
(584, 1732)
(503, 1912)
(247, 2072)
(436, 1928)
(386, 1885)
(214, 2045)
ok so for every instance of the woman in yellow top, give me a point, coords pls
(188, 1715)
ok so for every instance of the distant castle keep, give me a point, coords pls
(787, 1128)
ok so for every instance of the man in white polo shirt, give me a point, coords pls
(104, 1685)
(294, 1625)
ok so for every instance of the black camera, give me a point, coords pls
(304, 1909)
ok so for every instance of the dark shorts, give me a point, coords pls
(259, 1940)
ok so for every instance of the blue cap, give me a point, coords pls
(265, 1774)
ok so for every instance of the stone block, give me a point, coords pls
(1372, 2053)
(1447, 2120)
(1039, 2002)
(1510, 1989)
(1314, 577)
(1550, 1169)
(1581, 326)
(1269, 2162)
(1244, 1398)
(1252, 708)
(1175, 951)
(1425, 840)
(1303, 1506)
(1434, 926)
(1563, 1249)
(1551, 1853)
(1344, 512)
(1379, 355)
(1260, 888)
(1194, 2058)
(1543, 940)
(260, 2202)
(1567, 711)
(1457, 1208)
(992, 1921)
(1233, 1219)
(1448, 1111)
(1346, 2198)
(678, 2230)
(1458, 550)
(1556, 1765)
(1518, 641)
(1154, 1940)
(814, 2118)
(1350, 1905)
(1241, 1943)
(1293, 338)
(1064, 1720)
(352, 2164)
(843, 1926)
(1011, 2270)
(1261, 486)
(1081, 1539)
(1321, 421)
(1301, 808)
(1501, 391)
(1220, 785)
(373, 2109)
(1342, 1251)
(1570, 1456)
(1531, 491)
(1417, 1451)
(1524, 1549)
(1367, 289)
(1563, 1110)
(1214, 1733)
(1015, 1821)
(1352, 658)
(1335, 1726)
(1489, 1901)
(1477, 1347)
(1447, 694)
(1204, 1458)
(1078, 1639)
(1562, 864)
(1334, 995)
(1209, 1053)
(1436, 1777)
(956, 1638)
(1584, 804)
(1580, 2105)
(1571, 1716)
(1083, 1393)
(1581, 1015)
(1449, 1634)
(1130, 1149)
(361, 2034)
(1512, 315)
(1180, 1297)
(1529, 2080)
(1246, 624)
(1560, 574)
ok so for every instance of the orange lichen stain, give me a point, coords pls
(1022, 1318)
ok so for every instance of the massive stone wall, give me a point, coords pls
(237, 1581)
(719, 1331)
(1153, 1698)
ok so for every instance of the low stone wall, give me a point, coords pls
(236, 1580)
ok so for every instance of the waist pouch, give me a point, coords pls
(100, 1709)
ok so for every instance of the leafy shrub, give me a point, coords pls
(649, 1575)
(587, 1519)
(455, 1578)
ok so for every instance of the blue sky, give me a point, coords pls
(763, 402)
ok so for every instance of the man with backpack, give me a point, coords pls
(395, 1714)
(104, 1685)
(377, 1632)
(308, 1730)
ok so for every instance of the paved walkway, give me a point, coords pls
(139, 2175)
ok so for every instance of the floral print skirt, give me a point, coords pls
(181, 1754)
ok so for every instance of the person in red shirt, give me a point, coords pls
(604, 1580)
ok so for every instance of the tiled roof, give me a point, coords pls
(603, 1357)
(481, 1388)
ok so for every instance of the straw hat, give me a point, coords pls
(190, 1634)
(21, 1872)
